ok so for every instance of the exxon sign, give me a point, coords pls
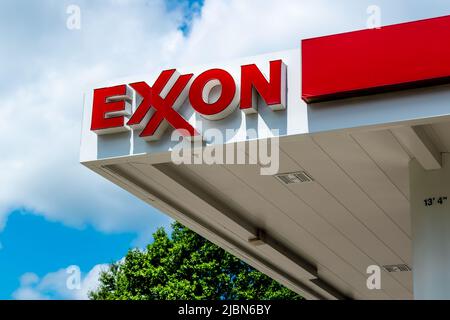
(113, 109)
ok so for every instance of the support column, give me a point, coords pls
(430, 214)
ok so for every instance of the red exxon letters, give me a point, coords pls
(160, 102)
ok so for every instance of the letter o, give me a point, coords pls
(201, 88)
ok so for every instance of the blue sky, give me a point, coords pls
(30, 242)
(55, 213)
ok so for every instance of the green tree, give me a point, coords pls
(185, 266)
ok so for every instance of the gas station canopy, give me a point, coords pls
(361, 126)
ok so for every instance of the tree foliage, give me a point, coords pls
(185, 266)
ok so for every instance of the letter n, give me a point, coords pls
(272, 91)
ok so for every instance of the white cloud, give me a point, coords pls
(28, 293)
(28, 279)
(40, 124)
(54, 285)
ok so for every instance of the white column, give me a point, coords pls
(430, 214)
